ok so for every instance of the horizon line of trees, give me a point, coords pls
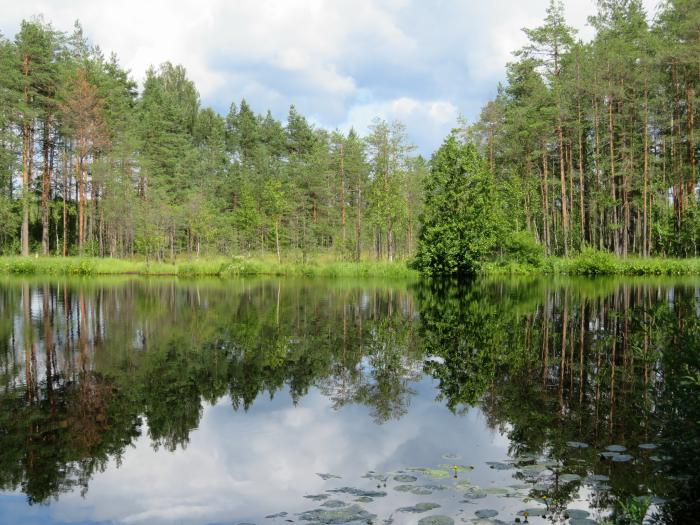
(594, 145)
(90, 166)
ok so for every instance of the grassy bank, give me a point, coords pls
(590, 262)
(217, 267)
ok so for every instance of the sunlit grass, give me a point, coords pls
(215, 266)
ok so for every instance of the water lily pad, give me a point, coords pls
(359, 492)
(535, 469)
(336, 516)
(497, 465)
(404, 488)
(609, 455)
(582, 521)
(568, 478)
(364, 499)
(576, 514)
(475, 493)
(464, 484)
(597, 478)
(333, 504)
(648, 446)
(436, 520)
(434, 487)
(497, 491)
(622, 458)
(278, 515)
(659, 458)
(533, 512)
(459, 468)
(405, 478)
(437, 473)
(421, 491)
(326, 477)
(317, 497)
(486, 513)
(576, 444)
(376, 476)
(615, 448)
(419, 507)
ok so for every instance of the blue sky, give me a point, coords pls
(341, 62)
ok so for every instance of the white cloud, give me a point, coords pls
(333, 59)
(427, 121)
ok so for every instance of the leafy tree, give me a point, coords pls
(461, 223)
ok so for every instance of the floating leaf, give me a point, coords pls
(597, 478)
(326, 477)
(475, 493)
(405, 478)
(648, 446)
(622, 458)
(359, 492)
(336, 516)
(576, 444)
(582, 521)
(333, 504)
(278, 515)
(615, 448)
(364, 499)
(486, 513)
(317, 497)
(436, 520)
(419, 507)
(568, 478)
(609, 455)
(576, 513)
(533, 512)
(497, 491)
(497, 465)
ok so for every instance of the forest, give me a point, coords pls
(593, 144)
(90, 165)
(590, 145)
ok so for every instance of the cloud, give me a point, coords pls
(240, 466)
(426, 121)
(333, 60)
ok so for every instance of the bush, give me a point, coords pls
(593, 262)
(521, 247)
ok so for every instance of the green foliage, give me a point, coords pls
(521, 247)
(593, 262)
(461, 224)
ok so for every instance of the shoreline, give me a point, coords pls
(586, 264)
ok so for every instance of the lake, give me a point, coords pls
(258, 401)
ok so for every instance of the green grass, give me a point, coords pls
(592, 262)
(588, 262)
(219, 267)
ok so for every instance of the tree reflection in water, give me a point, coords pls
(87, 367)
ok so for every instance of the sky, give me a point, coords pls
(340, 62)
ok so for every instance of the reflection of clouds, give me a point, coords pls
(241, 466)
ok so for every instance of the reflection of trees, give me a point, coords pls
(601, 366)
(80, 366)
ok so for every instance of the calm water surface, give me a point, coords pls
(223, 402)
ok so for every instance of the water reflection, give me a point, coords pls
(228, 385)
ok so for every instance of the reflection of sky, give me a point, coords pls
(241, 466)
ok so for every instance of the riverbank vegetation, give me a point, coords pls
(589, 147)
(213, 267)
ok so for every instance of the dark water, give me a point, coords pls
(209, 402)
